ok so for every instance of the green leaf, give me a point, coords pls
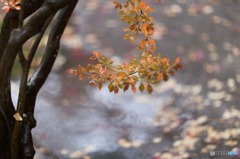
(153, 67)
(120, 86)
(141, 87)
(119, 67)
(149, 88)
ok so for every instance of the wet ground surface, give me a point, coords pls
(196, 111)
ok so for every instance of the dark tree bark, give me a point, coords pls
(15, 132)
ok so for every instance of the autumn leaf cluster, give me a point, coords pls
(142, 72)
(11, 4)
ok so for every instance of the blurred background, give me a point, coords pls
(193, 113)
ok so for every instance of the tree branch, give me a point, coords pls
(38, 39)
(10, 22)
(41, 74)
(18, 38)
(30, 101)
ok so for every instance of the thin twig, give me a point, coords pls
(52, 49)
(38, 40)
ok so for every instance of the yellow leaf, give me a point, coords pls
(141, 87)
(111, 89)
(126, 29)
(17, 117)
(124, 143)
(126, 36)
(131, 39)
(92, 58)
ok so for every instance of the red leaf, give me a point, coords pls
(165, 76)
(177, 67)
(100, 85)
(134, 89)
(116, 89)
(126, 87)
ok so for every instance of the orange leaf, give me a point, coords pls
(81, 76)
(177, 61)
(76, 72)
(70, 71)
(160, 76)
(96, 54)
(134, 89)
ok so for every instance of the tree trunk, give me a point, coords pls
(16, 124)
(4, 139)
